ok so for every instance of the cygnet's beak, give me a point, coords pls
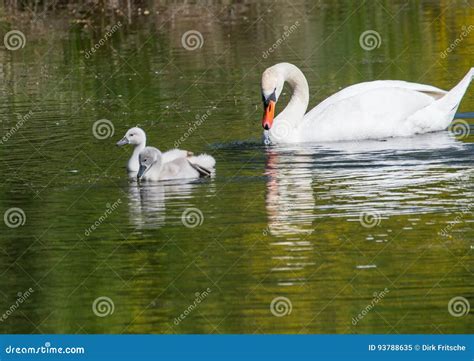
(122, 141)
(141, 171)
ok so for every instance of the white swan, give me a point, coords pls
(137, 137)
(152, 166)
(371, 110)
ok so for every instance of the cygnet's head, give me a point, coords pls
(134, 136)
(147, 157)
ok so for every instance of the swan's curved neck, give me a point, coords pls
(299, 101)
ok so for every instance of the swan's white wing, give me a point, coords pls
(440, 113)
(375, 113)
(361, 88)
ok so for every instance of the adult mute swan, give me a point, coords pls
(152, 166)
(371, 110)
(137, 137)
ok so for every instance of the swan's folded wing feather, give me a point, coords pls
(361, 88)
(441, 112)
(376, 113)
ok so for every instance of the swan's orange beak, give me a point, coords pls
(268, 115)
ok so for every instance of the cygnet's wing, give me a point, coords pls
(174, 154)
(174, 167)
(203, 172)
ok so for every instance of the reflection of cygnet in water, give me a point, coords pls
(147, 206)
(153, 168)
(147, 203)
(289, 201)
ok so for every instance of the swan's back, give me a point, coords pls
(382, 109)
(361, 88)
(376, 113)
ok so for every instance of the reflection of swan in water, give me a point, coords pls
(344, 179)
(398, 176)
(308, 183)
(290, 208)
(147, 203)
(428, 142)
(290, 199)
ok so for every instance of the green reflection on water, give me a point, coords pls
(276, 222)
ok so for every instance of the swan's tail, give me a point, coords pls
(203, 163)
(450, 102)
(440, 113)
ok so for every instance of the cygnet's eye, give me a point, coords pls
(132, 135)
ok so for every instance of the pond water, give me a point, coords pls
(349, 237)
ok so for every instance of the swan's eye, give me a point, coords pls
(132, 135)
